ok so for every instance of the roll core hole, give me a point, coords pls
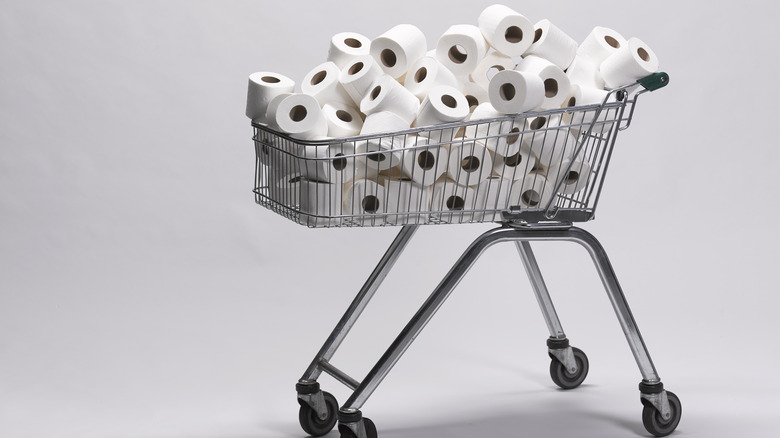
(388, 58)
(469, 164)
(351, 42)
(319, 77)
(473, 102)
(514, 160)
(514, 136)
(572, 177)
(507, 91)
(455, 203)
(375, 92)
(538, 123)
(572, 101)
(458, 54)
(538, 34)
(339, 162)
(298, 113)
(612, 41)
(493, 70)
(449, 101)
(356, 67)
(270, 79)
(378, 157)
(426, 160)
(513, 34)
(370, 204)
(643, 54)
(421, 74)
(531, 198)
(297, 179)
(550, 88)
(344, 116)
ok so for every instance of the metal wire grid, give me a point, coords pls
(396, 179)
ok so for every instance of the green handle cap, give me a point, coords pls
(654, 81)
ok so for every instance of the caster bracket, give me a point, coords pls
(316, 401)
(660, 401)
(566, 357)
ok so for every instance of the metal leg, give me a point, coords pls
(540, 290)
(343, 327)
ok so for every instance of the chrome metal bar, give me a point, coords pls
(540, 289)
(359, 303)
(339, 375)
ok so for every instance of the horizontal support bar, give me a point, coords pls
(337, 374)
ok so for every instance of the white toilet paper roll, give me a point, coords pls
(599, 44)
(331, 163)
(398, 48)
(556, 83)
(404, 196)
(286, 190)
(584, 73)
(581, 120)
(299, 115)
(422, 163)
(514, 166)
(491, 64)
(322, 82)
(442, 104)
(501, 137)
(346, 46)
(553, 44)
(320, 202)
(343, 120)
(469, 162)
(460, 48)
(547, 142)
(453, 201)
(475, 94)
(533, 191)
(357, 77)
(574, 180)
(514, 92)
(263, 87)
(493, 197)
(386, 94)
(633, 61)
(506, 30)
(384, 151)
(366, 199)
(427, 73)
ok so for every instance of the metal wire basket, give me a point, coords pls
(543, 166)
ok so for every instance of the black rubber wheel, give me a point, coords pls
(371, 432)
(312, 424)
(563, 378)
(655, 424)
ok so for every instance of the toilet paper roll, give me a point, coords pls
(322, 82)
(506, 30)
(491, 64)
(398, 48)
(600, 43)
(500, 137)
(573, 180)
(443, 104)
(493, 197)
(343, 120)
(581, 120)
(515, 166)
(533, 191)
(346, 46)
(334, 163)
(286, 190)
(461, 48)
(475, 94)
(365, 199)
(263, 87)
(553, 44)
(382, 152)
(427, 73)
(556, 83)
(299, 115)
(386, 94)
(633, 61)
(320, 202)
(584, 73)
(514, 92)
(404, 196)
(422, 163)
(547, 142)
(452, 202)
(357, 77)
(469, 162)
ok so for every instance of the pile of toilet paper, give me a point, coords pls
(504, 65)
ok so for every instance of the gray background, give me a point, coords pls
(144, 294)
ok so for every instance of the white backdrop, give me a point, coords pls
(144, 294)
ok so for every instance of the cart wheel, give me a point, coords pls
(311, 422)
(367, 424)
(655, 424)
(563, 378)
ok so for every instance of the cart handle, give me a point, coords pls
(654, 81)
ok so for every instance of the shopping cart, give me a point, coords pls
(534, 173)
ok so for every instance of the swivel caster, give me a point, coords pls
(568, 369)
(318, 412)
(653, 416)
(354, 425)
